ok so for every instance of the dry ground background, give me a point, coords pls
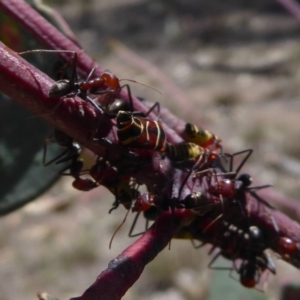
(234, 66)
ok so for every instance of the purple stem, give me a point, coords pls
(78, 119)
(292, 7)
(127, 267)
(49, 36)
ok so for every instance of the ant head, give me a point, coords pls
(118, 105)
(61, 88)
(249, 274)
(246, 179)
(111, 80)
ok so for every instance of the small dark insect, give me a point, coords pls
(72, 154)
(119, 185)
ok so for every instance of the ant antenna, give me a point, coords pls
(124, 220)
(144, 84)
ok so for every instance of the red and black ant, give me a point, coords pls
(119, 185)
(66, 87)
(72, 154)
(152, 203)
(246, 245)
(107, 84)
(231, 191)
(235, 242)
(235, 188)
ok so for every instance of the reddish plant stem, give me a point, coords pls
(292, 7)
(49, 36)
(127, 267)
(77, 118)
(45, 32)
(30, 87)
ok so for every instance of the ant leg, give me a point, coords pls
(91, 73)
(75, 167)
(261, 200)
(210, 265)
(147, 225)
(131, 102)
(156, 104)
(74, 153)
(248, 151)
(105, 140)
(74, 76)
(184, 182)
(55, 159)
(200, 245)
(131, 234)
(212, 222)
(62, 172)
(129, 95)
(234, 268)
(270, 264)
(93, 103)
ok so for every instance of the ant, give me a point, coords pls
(66, 87)
(104, 174)
(248, 246)
(72, 154)
(107, 84)
(229, 188)
(151, 204)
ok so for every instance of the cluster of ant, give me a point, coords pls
(208, 190)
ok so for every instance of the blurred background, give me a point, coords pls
(230, 66)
